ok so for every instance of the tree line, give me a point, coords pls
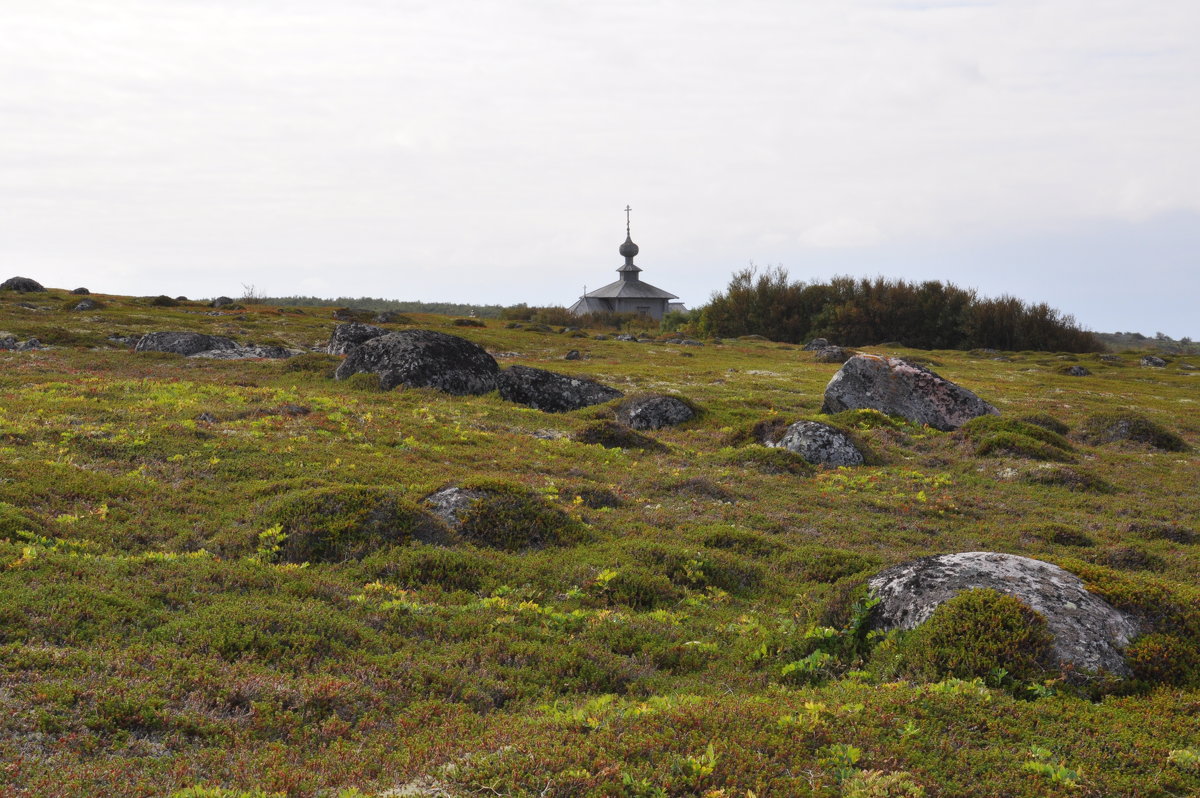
(860, 312)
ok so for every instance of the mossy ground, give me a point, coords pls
(149, 642)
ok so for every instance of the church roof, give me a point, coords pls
(630, 289)
(587, 304)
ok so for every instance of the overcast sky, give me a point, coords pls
(483, 151)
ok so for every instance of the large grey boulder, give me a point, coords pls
(892, 386)
(24, 285)
(424, 359)
(182, 343)
(347, 336)
(820, 444)
(550, 391)
(1089, 633)
(654, 412)
(1153, 361)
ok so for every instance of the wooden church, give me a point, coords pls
(628, 294)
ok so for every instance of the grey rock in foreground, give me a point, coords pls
(654, 412)
(820, 444)
(347, 336)
(1088, 632)
(550, 391)
(182, 343)
(24, 285)
(424, 359)
(897, 388)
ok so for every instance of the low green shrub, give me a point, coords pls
(599, 498)
(1069, 477)
(637, 587)
(978, 633)
(343, 522)
(14, 520)
(742, 541)
(1007, 436)
(698, 488)
(164, 301)
(1158, 658)
(612, 435)
(1045, 421)
(1103, 428)
(1129, 558)
(450, 569)
(512, 517)
(701, 569)
(812, 563)
(765, 460)
(1156, 530)
(365, 381)
(312, 363)
(1058, 534)
(866, 418)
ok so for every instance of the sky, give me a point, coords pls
(484, 151)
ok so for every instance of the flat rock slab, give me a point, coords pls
(892, 386)
(1089, 633)
(654, 412)
(550, 391)
(183, 343)
(347, 336)
(424, 359)
(820, 444)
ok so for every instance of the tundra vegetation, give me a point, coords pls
(222, 577)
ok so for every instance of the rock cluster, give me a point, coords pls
(183, 343)
(897, 388)
(1089, 634)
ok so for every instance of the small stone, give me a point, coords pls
(572, 355)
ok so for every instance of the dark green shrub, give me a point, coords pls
(312, 363)
(599, 498)
(345, 522)
(866, 418)
(1158, 658)
(164, 301)
(766, 460)
(639, 588)
(612, 435)
(742, 541)
(1153, 530)
(1045, 421)
(1103, 428)
(1060, 535)
(1129, 558)
(363, 381)
(1008, 436)
(978, 633)
(450, 569)
(820, 564)
(701, 569)
(14, 520)
(698, 488)
(511, 517)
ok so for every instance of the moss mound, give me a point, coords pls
(450, 569)
(1071, 478)
(13, 520)
(312, 363)
(765, 460)
(347, 522)
(1103, 428)
(612, 435)
(997, 435)
(978, 633)
(1045, 421)
(511, 517)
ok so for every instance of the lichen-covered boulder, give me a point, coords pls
(182, 343)
(816, 345)
(550, 391)
(24, 285)
(246, 353)
(347, 336)
(654, 412)
(221, 302)
(81, 290)
(84, 305)
(424, 359)
(1088, 633)
(820, 444)
(1153, 361)
(892, 386)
